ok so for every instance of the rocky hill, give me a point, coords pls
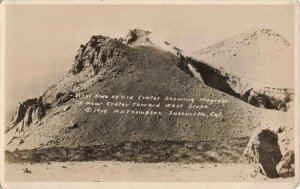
(109, 66)
(228, 77)
(58, 127)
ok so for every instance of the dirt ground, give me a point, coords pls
(108, 171)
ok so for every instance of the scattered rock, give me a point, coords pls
(212, 154)
(26, 170)
(206, 147)
(137, 151)
(62, 98)
(66, 108)
(21, 141)
(73, 126)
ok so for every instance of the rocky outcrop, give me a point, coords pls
(96, 53)
(270, 98)
(246, 90)
(21, 110)
(101, 52)
(134, 35)
(271, 150)
(29, 112)
(62, 98)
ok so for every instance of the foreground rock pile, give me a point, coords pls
(139, 151)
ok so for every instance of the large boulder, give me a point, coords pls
(264, 149)
(272, 151)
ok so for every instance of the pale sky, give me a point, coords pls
(41, 40)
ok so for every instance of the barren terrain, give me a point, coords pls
(53, 135)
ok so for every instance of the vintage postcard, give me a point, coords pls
(152, 94)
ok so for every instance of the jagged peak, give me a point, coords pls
(140, 32)
(100, 40)
(96, 52)
(134, 35)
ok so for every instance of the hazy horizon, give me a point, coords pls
(42, 40)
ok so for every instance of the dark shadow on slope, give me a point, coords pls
(212, 78)
(264, 97)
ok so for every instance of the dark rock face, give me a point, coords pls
(96, 53)
(269, 98)
(29, 112)
(28, 116)
(21, 110)
(264, 149)
(62, 98)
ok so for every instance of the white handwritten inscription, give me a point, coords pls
(150, 105)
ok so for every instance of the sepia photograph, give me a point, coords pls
(102, 92)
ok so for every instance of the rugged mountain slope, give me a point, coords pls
(228, 80)
(261, 56)
(56, 121)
